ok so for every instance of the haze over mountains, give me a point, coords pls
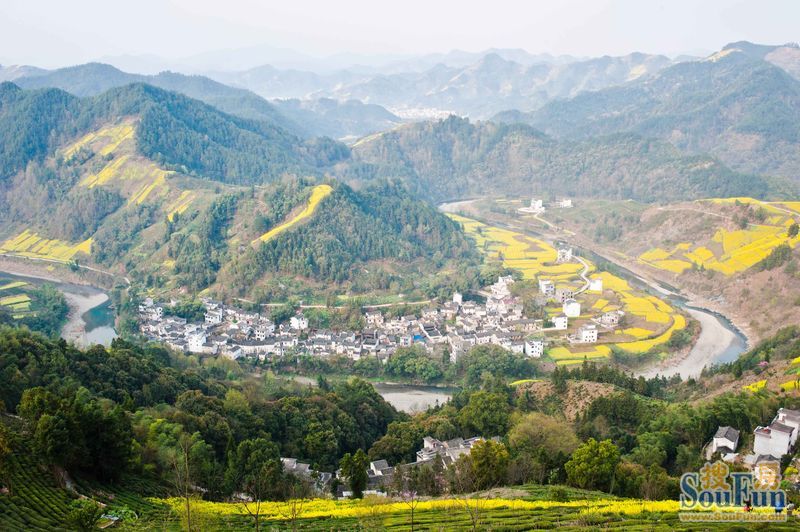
(650, 122)
(736, 105)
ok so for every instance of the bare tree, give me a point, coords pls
(299, 490)
(405, 487)
(463, 486)
(182, 475)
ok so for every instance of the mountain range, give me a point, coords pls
(309, 118)
(490, 84)
(734, 105)
(455, 158)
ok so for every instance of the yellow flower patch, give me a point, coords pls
(29, 244)
(13, 300)
(756, 386)
(319, 193)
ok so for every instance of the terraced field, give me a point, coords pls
(731, 251)
(319, 193)
(653, 320)
(30, 244)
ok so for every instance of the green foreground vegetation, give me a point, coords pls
(151, 433)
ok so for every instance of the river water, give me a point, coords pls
(91, 318)
(719, 340)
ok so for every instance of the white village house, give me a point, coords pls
(725, 441)
(571, 308)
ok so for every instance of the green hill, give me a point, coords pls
(174, 130)
(454, 158)
(732, 105)
(139, 172)
(92, 79)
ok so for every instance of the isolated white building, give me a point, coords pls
(773, 440)
(565, 203)
(725, 441)
(587, 334)
(564, 255)
(596, 284)
(790, 418)
(611, 318)
(571, 308)
(547, 287)
(534, 347)
(458, 298)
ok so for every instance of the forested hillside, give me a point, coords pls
(165, 177)
(455, 158)
(732, 105)
(173, 130)
(92, 79)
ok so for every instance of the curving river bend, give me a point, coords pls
(90, 320)
(719, 340)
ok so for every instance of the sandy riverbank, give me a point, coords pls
(713, 338)
(80, 297)
(75, 328)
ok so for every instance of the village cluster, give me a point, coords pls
(770, 444)
(457, 324)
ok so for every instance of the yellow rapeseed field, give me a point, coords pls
(739, 249)
(29, 244)
(319, 193)
(14, 284)
(534, 257)
(103, 141)
(180, 205)
(758, 385)
(355, 508)
(13, 300)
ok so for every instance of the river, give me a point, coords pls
(719, 340)
(409, 398)
(91, 318)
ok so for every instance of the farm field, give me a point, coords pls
(652, 321)
(30, 244)
(730, 251)
(319, 193)
(37, 502)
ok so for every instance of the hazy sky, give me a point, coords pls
(60, 32)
